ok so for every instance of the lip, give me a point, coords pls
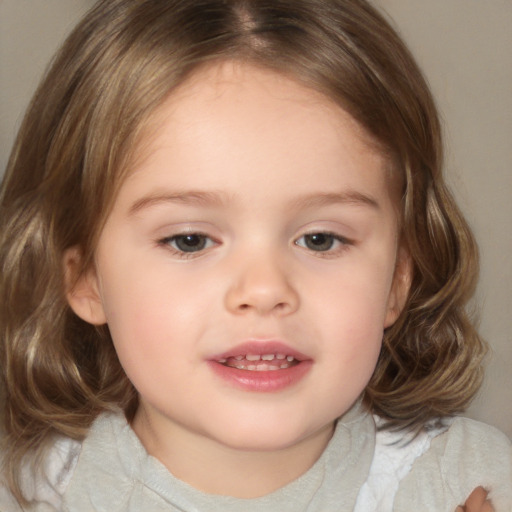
(268, 381)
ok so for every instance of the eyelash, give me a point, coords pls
(205, 241)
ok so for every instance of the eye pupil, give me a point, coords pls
(319, 241)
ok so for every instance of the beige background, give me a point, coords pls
(465, 49)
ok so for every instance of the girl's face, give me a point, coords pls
(249, 265)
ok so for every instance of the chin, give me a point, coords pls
(266, 437)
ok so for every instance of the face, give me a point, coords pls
(246, 271)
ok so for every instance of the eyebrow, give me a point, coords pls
(203, 198)
(191, 197)
(349, 197)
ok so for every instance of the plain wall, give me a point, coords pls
(465, 49)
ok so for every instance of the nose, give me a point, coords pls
(261, 285)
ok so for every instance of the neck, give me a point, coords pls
(215, 468)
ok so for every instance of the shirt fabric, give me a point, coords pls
(363, 469)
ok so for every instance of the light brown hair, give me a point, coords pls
(73, 150)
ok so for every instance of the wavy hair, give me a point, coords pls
(73, 150)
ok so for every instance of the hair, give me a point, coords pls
(73, 151)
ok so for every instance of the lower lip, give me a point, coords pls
(269, 381)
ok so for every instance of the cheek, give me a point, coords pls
(351, 316)
(155, 318)
(350, 359)
(143, 295)
(146, 335)
(355, 297)
(355, 340)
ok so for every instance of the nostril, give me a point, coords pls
(245, 307)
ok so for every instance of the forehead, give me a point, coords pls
(247, 119)
(248, 89)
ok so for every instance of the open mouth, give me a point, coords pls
(261, 366)
(260, 363)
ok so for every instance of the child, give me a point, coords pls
(232, 275)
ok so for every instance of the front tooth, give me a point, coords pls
(253, 357)
(268, 357)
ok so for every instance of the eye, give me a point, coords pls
(188, 243)
(321, 242)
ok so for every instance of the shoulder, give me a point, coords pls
(480, 455)
(474, 450)
(7, 501)
(44, 488)
(480, 435)
(466, 455)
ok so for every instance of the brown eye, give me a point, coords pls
(192, 242)
(322, 242)
(319, 241)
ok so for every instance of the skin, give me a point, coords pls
(477, 502)
(251, 166)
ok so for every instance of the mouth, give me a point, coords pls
(260, 363)
(261, 366)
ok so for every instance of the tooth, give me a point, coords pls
(281, 356)
(222, 361)
(263, 367)
(252, 367)
(284, 366)
(268, 357)
(252, 357)
(240, 367)
(290, 358)
(239, 358)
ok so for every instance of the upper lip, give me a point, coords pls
(261, 348)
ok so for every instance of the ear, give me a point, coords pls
(82, 290)
(400, 287)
